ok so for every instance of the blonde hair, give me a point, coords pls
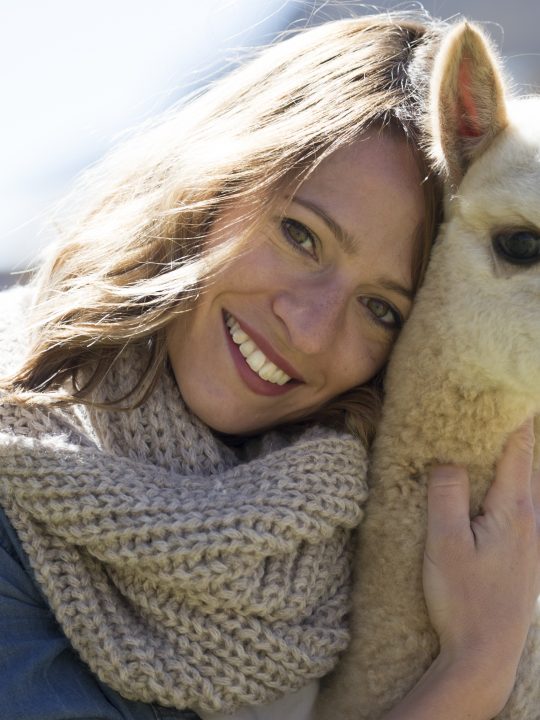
(132, 255)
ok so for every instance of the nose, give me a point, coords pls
(313, 313)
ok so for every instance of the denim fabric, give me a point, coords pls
(41, 676)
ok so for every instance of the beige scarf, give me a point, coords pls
(181, 573)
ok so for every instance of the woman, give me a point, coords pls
(179, 482)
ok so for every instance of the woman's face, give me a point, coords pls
(312, 307)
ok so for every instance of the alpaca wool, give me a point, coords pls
(183, 572)
(463, 375)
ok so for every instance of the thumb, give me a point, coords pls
(447, 500)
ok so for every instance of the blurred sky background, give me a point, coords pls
(75, 74)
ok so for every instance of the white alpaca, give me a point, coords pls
(465, 373)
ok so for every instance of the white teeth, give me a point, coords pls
(247, 347)
(277, 377)
(267, 370)
(256, 360)
(254, 357)
(239, 336)
(281, 378)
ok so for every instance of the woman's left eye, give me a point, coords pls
(383, 313)
(299, 236)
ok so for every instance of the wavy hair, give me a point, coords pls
(132, 252)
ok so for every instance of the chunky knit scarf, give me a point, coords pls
(182, 573)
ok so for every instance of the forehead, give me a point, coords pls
(373, 190)
(373, 173)
(386, 152)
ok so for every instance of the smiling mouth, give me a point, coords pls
(253, 355)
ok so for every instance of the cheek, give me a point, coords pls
(379, 353)
(264, 259)
(360, 361)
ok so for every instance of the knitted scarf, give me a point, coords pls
(184, 573)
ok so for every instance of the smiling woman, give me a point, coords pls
(178, 479)
(309, 310)
(212, 177)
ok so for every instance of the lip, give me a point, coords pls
(251, 378)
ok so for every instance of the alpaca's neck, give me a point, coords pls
(439, 410)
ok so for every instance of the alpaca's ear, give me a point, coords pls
(467, 100)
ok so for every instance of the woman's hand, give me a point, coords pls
(482, 576)
(481, 581)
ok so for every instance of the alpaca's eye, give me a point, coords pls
(521, 247)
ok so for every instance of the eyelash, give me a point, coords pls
(287, 224)
(393, 326)
(397, 322)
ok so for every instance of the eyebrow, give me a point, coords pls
(349, 245)
(344, 239)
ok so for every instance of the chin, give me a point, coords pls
(223, 424)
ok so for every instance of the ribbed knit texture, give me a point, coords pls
(182, 574)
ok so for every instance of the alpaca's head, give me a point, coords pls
(486, 266)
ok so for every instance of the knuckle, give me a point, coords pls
(446, 477)
(446, 544)
(450, 532)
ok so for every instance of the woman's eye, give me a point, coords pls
(383, 313)
(299, 236)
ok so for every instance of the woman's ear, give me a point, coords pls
(468, 106)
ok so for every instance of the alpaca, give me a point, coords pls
(465, 373)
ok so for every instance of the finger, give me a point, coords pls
(535, 490)
(448, 500)
(514, 469)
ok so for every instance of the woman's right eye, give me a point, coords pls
(299, 236)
